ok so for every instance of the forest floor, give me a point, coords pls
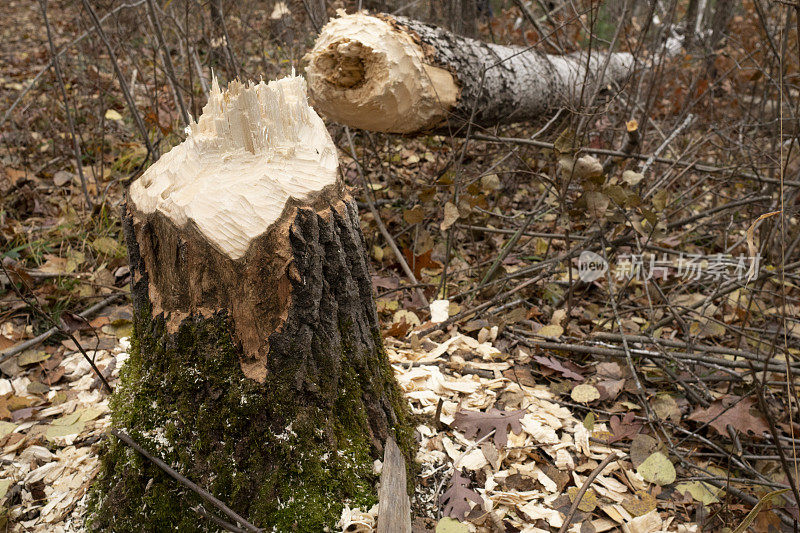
(573, 319)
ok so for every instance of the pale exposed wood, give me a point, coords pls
(366, 74)
(394, 505)
(254, 147)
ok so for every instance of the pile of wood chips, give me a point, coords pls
(47, 458)
(527, 482)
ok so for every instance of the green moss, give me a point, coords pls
(285, 466)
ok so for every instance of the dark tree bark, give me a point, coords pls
(723, 11)
(257, 369)
(399, 75)
(690, 23)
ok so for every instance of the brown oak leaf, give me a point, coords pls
(555, 364)
(455, 500)
(625, 428)
(477, 425)
(418, 262)
(734, 411)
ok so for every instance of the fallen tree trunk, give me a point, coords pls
(393, 74)
(257, 369)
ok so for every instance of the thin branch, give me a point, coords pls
(702, 167)
(173, 80)
(204, 494)
(586, 484)
(36, 307)
(381, 226)
(44, 69)
(85, 314)
(76, 145)
(122, 83)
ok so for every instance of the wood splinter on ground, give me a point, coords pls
(393, 74)
(257, 368)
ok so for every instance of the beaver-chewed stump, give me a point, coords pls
(256, 367)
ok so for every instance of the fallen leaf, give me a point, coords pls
(112, 115)
(555, 364)
(4, 486)
(731, 410)
(642, 447)
(596, 203)
(610, 388)
(666, 407)
(62, 177)
(589, 421)
(477, 425)
(107, 246)
(490, 182)
(648, 523)
(587, 167)
(699, 491)
(657, 469)
(632, 178)
(398, 330)
(414, 215)
(455, 500)
(449, 525)
(30, 357)
(6, 428)
(5, 412)
(551, 331)
(640, 505)
(450, 216)
(55, 430)
(418, 262)
(752, 249)
(584, 393)
(624, 428)
(588, 502)
(54, 265)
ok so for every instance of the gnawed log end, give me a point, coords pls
(365, 72)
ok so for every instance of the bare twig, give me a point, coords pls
(173, 80)
(44, 69)
(76, 145)
(702, 167)
(36, 307)
(85, 314)
(586, 484)
(227, 526)
(381, 226)
(123, 85)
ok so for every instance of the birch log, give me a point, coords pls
(393, 74)
(257, 368)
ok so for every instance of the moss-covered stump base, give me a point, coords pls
(184, 398)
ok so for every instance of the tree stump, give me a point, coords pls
(394, 74)
(256, 368)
